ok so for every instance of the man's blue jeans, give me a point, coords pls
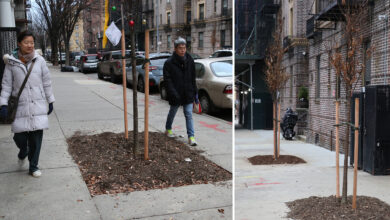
(29, 143)
(187, 110)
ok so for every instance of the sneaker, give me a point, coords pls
(36, 173)
(21, 162)
(169, 133)
(192, 141)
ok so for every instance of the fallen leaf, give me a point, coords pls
(221, 211)
(79, 200)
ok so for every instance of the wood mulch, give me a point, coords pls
(326, 208)
(108, 166)
(269, 160)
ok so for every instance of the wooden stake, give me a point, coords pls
(278, 150)
(337, 150)
(124, 73)
(274, 127)
(146, 132)
(356, 154)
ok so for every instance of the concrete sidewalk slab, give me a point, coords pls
(263, 190)
(59, 194)
(86, 104)
(164, 202)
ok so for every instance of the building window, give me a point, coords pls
(77, 41)
(77, 34)
(188, 17)
(222, 38)
(215, 6)
(200, 40)
(367, 63)
(224, 7)
(188, 39)
(168, 18)
(201, 11)
(318, 76)
(76, 27)
(160, 18)
(169, 41)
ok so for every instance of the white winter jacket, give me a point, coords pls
(32, 109)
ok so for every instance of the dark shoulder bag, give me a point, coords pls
(14, 100)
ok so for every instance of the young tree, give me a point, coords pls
(275, 75)
(346, 62)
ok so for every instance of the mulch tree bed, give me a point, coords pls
(269, 160)
(108, 166)
(325, 208)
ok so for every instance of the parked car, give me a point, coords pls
(88, 63)
(195, 56)
(214, 82)
(156, 65)
(111, 65)
(222, 53)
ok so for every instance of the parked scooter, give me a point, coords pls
(288, 123)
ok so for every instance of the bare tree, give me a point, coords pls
(70, 16)
(51, 11)
(346, 61)
(275, 75)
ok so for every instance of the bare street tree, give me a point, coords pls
(348, 66)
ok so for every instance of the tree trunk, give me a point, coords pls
(67, 52)
(135, 102)
(346, 150)
(275, 129)
(54, 51)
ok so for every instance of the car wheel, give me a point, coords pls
(205, 103)
(114, 78)
(141, 85)
(100, 75)
(163, 92)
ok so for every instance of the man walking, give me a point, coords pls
(179, 78)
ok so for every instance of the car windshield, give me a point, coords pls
(118, 55)
(222, 69)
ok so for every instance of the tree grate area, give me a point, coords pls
(327, 208)
(108, 166)
(269, 160)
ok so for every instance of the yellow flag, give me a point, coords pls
(106, 17)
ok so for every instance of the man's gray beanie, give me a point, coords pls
(179, 41)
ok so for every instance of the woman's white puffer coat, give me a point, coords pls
(32, 109)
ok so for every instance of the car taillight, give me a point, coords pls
(151, 83)
(151, 68)
(228, 89)
(84, 59)
(118, 64)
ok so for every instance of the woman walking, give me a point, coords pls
(33, 108)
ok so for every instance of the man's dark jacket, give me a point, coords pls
(179, 78)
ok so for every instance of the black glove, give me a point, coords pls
(4, 111)
(50, 108)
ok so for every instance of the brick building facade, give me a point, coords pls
(308, 62)
(205, 24)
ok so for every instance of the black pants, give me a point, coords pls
(29, 143)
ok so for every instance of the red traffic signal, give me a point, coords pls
(131, 23)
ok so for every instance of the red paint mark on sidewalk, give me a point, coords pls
(177, 127)
(112, 87)
(150, 102)
(263, 182)
(212, 126)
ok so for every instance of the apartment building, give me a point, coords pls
(76, 42)
(311, 29)
(205, 24)
(93, 25)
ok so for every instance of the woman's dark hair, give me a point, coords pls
(24, 34)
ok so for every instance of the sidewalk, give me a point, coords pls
(263, 190)
(86, 104)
